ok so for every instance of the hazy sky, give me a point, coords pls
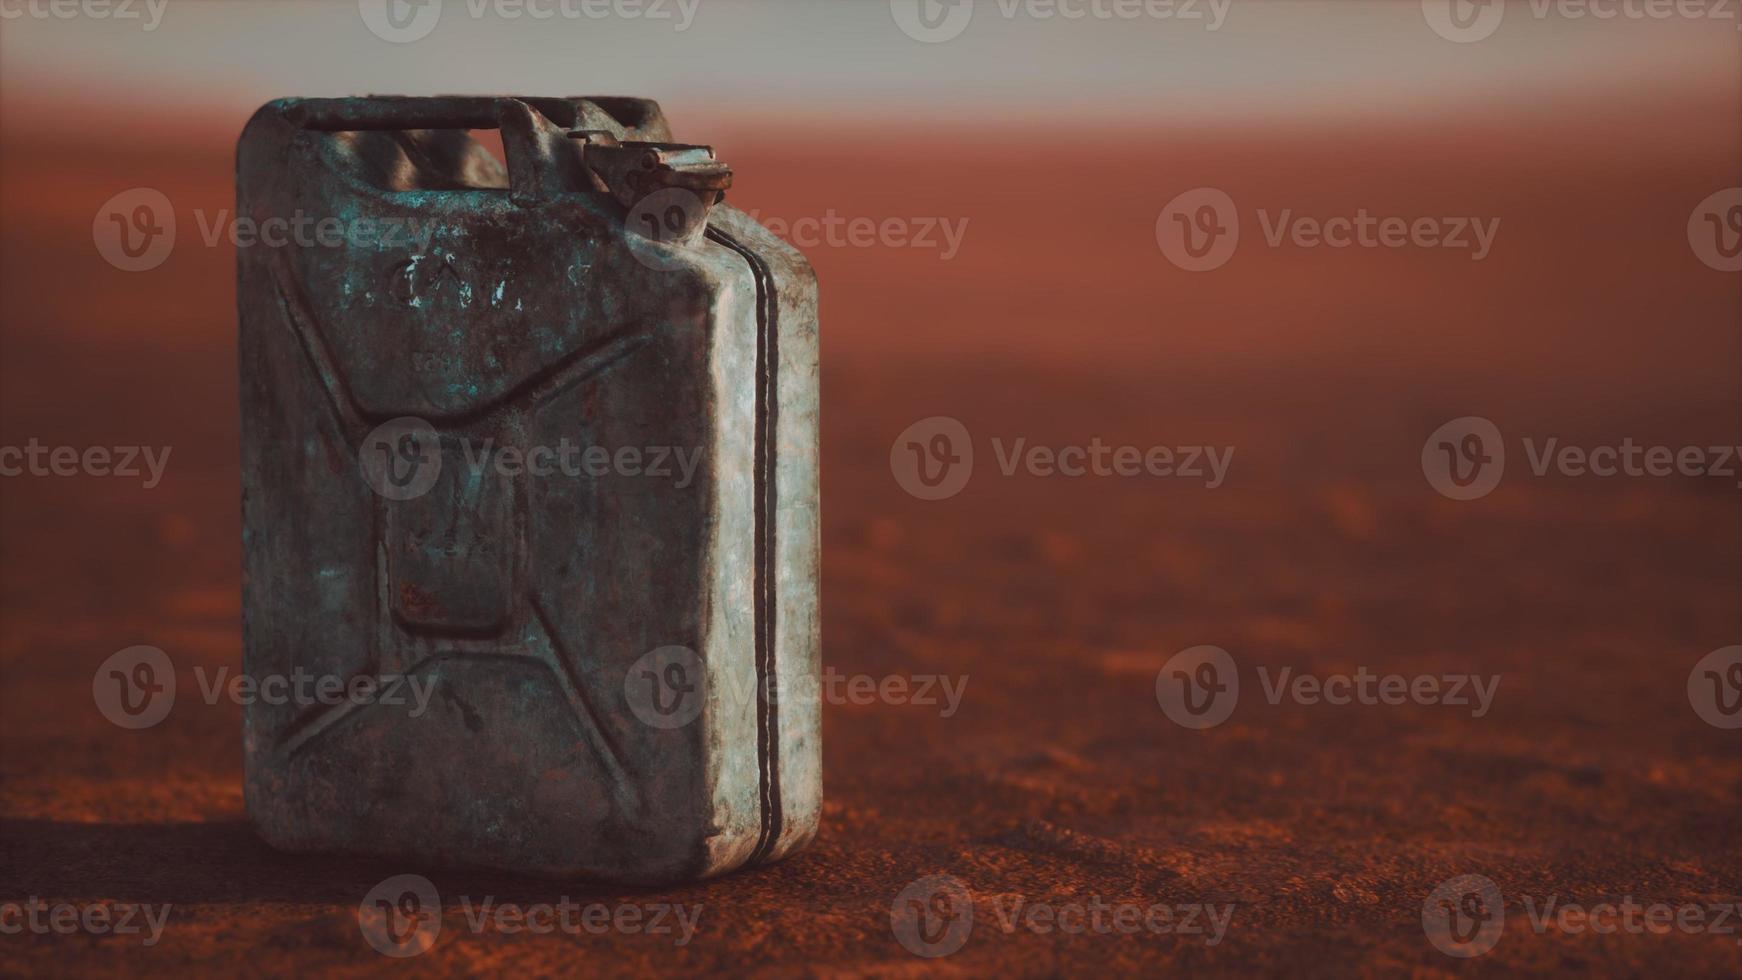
(822, 57)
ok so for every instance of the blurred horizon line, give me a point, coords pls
(823, 64)
(70, 114)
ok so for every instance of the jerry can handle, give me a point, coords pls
(412, 112)
(541, 159)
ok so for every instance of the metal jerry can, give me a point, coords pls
(529, 474)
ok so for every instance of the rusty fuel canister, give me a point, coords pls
(530, 513)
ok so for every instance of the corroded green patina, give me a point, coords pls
(593, 292)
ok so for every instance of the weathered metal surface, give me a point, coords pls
(596, 292)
